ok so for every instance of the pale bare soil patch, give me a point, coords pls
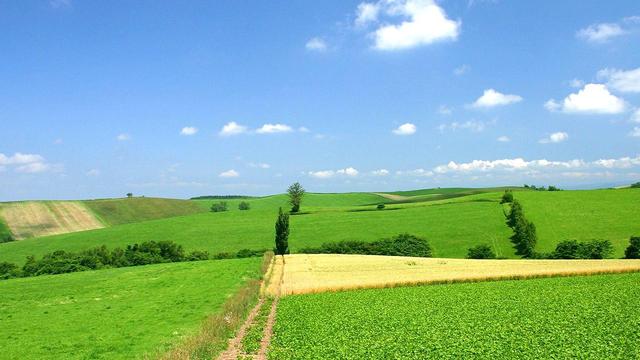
(325, 272)
(393, 197)
(38, 218)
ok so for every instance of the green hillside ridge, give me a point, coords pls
(126, 211)
(116, 313)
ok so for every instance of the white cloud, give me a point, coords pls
(259, 165)
(504, 139)
(556, 137)
(232, 128)
(552, 105)
(326, 174)
(316, 44)
(303, 129)
(576, 83)
(491, 98)
(27, 163)
(123, 137)
(444, 110)
(423, 23)
(635, 132)
(621, 80)
(380, 172)
(33, 168)
(93, 172)
(229, 174)
(188, 130)
(405, 129)
(416, 172)
(461, 70)
(635, 117)
(600, 33)
(348, 171)
(274, 128)
(367, 13)
(20, 159)
(471, 125)
(594, 99)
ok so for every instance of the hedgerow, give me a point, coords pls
(400, 245)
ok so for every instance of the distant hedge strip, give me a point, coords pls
(149, 252)
(400, 245)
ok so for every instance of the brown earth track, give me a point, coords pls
(234, 350)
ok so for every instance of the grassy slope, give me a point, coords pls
(584, 317)
(126, 211)
(451, 228)
(4, 229)
(583, 215)
(114, 314)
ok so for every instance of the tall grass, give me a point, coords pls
(218, 328)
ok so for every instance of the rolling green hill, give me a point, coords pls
(126, 211)
(117, 313)
(452, 225)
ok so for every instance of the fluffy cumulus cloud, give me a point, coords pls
(591, 99)
(229, 174)
(274, 128)
(492, 98)
(316, 44)
(600, 33)
(504, 139)
(405, 129)
(407, 23)
(556, 137)
(25, 163)
(188, 131)
(621, 80)
(326, 174)
(232, 128)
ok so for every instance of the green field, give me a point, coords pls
(114, 314)
(452, 225)
(579, 317)
(126, 211)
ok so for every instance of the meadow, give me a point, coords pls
(120, 313)
(576, 317)
(137, 209)
(451, 225)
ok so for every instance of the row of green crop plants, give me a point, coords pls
(149, 252)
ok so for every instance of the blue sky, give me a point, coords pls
(179, 99)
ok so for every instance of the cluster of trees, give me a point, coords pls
(635, 185)
(633, 250)
(481, 252)
(223, 206)
(400, 245)
(542, 188)
(524, 236)
(507, 197)
(6, 237)
(592, 249)
(150, 252)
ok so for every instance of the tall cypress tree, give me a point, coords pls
(282, 233)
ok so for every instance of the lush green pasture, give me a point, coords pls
(114, 314)
(126, 211)
(583, 215)
(579, 317)
(451, 227)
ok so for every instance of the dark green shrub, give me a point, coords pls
(593, 249)
(553, 188)
(244, 205)
(198, 255)
(481, 252)
(400, 245)
(507, 197)
(633, 250)
(380, 207)
(5, 238)
(219, 207)
(515, 212)
(9, 270)
(635, 185)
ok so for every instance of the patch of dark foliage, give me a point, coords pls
(400, 245)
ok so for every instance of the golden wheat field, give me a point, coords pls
(38, 218)
(326, 272)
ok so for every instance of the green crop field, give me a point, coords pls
(579, 317)
(114, 314)
(451, 227)
(125, 211)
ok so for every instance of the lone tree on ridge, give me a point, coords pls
(296, 192)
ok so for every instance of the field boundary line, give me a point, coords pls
(235, 344)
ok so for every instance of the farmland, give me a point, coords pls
(451, 225)
(137, 209)
(331, 272)
(115, 314)
(585, 317)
